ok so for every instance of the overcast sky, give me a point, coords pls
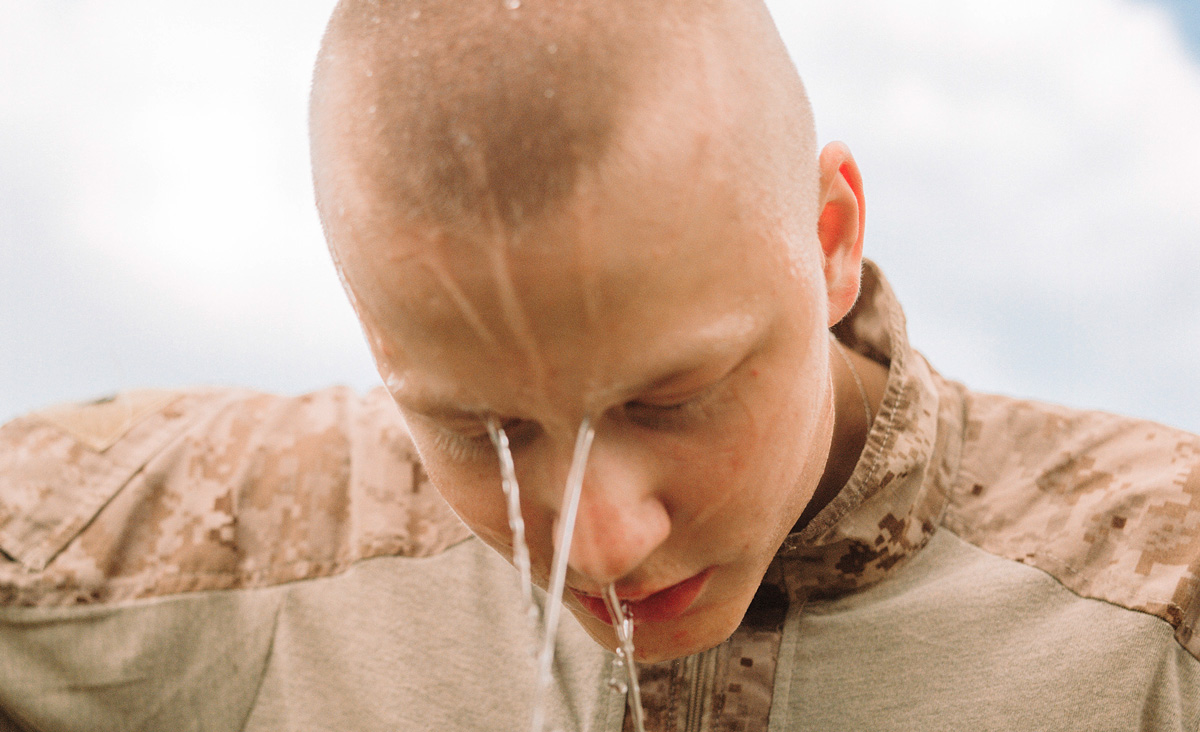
(1031, 171)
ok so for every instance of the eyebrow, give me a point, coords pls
(729, 333)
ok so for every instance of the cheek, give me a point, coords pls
(768, 467)
(716, 474)
(475, 495)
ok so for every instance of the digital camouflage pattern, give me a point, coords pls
(1109, 506)
(151, 494)
(1027, 481)
(898, 493)
(724, 689)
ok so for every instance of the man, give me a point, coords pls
(612, 212)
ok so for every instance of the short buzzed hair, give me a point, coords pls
(468, 118)
(462, 109)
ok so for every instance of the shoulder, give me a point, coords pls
(1108, 505)
(152, 492)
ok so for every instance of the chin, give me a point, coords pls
(689, 634)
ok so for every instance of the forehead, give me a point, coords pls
(632, 280)
(664, 238)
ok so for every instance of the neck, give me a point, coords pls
(850, 425)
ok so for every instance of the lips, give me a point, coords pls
(666, 604)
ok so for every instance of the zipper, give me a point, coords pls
(702, 677)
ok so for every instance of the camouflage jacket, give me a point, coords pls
(218, 559)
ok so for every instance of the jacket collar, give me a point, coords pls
(898, 491)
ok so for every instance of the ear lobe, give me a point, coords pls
(840, 227)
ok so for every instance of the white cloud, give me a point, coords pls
(1030, 168)
(185, 143)
(1055, 120)
(169, 143)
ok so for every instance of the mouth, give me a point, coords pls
(659, 607)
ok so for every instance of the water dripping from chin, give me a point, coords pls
(623, 663)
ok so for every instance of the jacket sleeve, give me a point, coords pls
(149, 540)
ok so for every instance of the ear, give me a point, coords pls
(840, 227)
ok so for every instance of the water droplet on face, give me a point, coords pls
(371, 109)
(512, 4)
(415, 14)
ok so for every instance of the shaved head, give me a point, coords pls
(552, 211)
(475, 114)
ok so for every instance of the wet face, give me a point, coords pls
(665, 302)
(662, 307)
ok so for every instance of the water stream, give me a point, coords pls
(565, 530)
(622, 622)
(558, 570)
(512, 494)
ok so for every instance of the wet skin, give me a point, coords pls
(664, 302)
(695, 341)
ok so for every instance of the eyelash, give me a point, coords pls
(464, 448)
(689, 411)
(460, 448)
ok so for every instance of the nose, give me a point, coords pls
(621, 518)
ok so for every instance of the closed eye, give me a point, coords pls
(676, 413)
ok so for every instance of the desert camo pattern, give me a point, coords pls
(152, 493)
(899, 491)
(1110, 506)
(155, 493)
(725, 689)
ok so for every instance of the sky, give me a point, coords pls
(1030, 166)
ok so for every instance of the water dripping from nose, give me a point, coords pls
(623, 663)
(558, 569)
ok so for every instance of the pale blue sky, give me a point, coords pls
(1187, 15)
(1030, 170)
